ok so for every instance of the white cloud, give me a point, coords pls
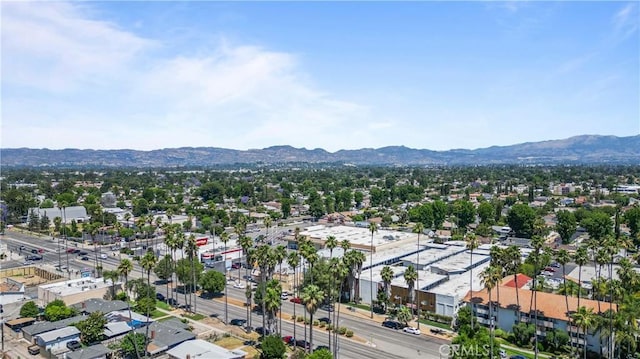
(234, 96)
(626, 21)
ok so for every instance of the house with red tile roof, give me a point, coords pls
(515, 306)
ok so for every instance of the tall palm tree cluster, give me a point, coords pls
(616, 320)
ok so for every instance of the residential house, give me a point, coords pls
(199, 348)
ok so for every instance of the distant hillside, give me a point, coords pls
(587, 149)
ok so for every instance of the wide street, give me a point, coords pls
(380, 343)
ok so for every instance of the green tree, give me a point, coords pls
(185, 274)
(320, 354)
(404, 314)
(521, 219)
(132, 345)
(312, 296)
(212, 281)
(272, 347)
(112, 276)
(523, 333)
(599, 225)
(145, 305)
(92, 328)
(465, 212)
(164, 270)
(29, 310)
(57, 310)
(486, 212)
(585, 319)
(632, 219)
(566, 225)
(439, 210)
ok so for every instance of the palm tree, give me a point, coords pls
(312, 296)
(273, 302)
(563, 257)
(387, 276)
(580, 258)
(262, 255)
(584, 319)
(279, 254)
(536, 242)
(418, 228)
(491, 277)
(267, 224)
(173, 242)
(124, 268)
(355, 260)
(294, 261)
(514, 260)
(472, 244)
(373, 228)
(410, 277)
(224, 238)
(147, 262)
(192, 253)
(111, 275)
(341, 271)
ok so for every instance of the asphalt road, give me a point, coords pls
(383, 342)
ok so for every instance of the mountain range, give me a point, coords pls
(585, 149)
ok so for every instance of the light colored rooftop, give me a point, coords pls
(74, 286)
(458, 285)
(200, 348)
(358, 236)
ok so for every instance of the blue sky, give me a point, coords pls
(332, 75)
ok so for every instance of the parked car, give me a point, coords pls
(71, 250)
(392, 324)
(76, 251)
(85, 258)
(327, 307)
(160, 297)
(238, 322)
(503, 354)
(236, 265)
(411, 330)
(34, 349)
(262, 331)
(82, 253)
(303, 344)
(239, 285)
(103, 256)
(284, 296)
(325, 320)
(436, 331)
(296, 300)
(518, 356)
(290, 340)
(550, 269)
(74, 345)
(172, 302)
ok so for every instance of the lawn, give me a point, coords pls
(229, 342)
(157, 314)
(196, 316)
(163, 305)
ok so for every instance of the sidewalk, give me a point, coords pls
(540, 355)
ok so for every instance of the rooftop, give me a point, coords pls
(43, 327)
(92, 352)
(200, 348)
(58, 333)
(100, 305)
(75, 286)
(458, 285)
(358, 236)
(549, 305)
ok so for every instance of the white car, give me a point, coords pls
(239, 285)
(503, 354)
(284, 295)
(103, 256)
(411, 330)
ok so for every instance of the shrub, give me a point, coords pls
(299, 319)
(306, 321)
(316, 323)
(293, 317)
(322, 324)
(349, 333)
(499, 333)
(329, 327)
(342, 330)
